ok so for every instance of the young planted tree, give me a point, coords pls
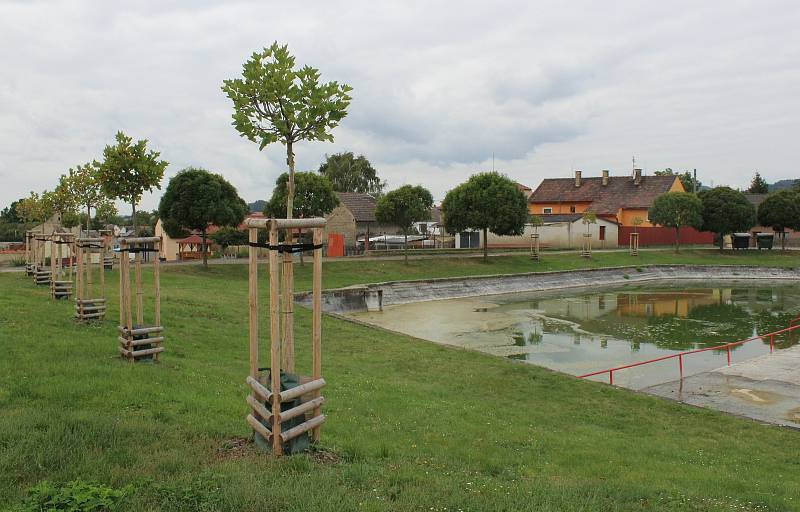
(195, 199)
(352, 174)
(31, 209)
(781, 210)
(488, 201)
(726, 211)
(758, 185)
(275, 102)
(677, 210)
(129, 170)
(84, 183)
(62, 201)
(403, 207)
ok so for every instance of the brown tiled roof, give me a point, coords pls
(362, 206)
(621, 192)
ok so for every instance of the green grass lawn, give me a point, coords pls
(411, 425)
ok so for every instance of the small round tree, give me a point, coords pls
(228, 236)
(349, 173)
(677, 210)
(488, 201)
(313, 196)
(726, 211)
(403, 207)
(84, 183)
(196, 199)
(129, 170)
(779, 211)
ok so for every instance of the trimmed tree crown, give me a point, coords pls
(489, 201)
(313, 196)
(404, 206)
(726, 211)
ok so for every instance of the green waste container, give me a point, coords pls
(765, 240)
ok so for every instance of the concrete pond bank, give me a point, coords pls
(373, 297)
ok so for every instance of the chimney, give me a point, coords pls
(577, 178)
(605, 177)
(637, 176)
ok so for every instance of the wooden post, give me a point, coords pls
(102, 267)
(253, 302)
(157, 291)
(287, 349)
(139, 294)
(316, 322)
(275, 341)
(122, 253)
(53, 269)
(128, 312)
(79, 280)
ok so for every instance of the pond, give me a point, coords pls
(580, 331)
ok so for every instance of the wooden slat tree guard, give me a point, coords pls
(586, 249)
(30, 240)
(41, 272)
(62, 246)
(138, 340)
(90, 295)
(535, 256)
(266, 397)
(634, 244)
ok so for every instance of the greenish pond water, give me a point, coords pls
(583, 331)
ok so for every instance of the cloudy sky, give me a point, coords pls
(439, 87)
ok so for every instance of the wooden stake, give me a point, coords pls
(287, 348)
(157, 290)
(316, 322)
(253, 302)
(275, 341)
(139, 295)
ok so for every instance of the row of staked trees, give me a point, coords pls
(723, 211)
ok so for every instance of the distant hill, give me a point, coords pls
(779, 185)
(257, 206)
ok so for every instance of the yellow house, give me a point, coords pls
(621, 199)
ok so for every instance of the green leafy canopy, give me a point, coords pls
(128, 170)
(780, 210)
(489, 201)
(196, 198)
(676, 210)
(349, 173)
(726, 211)
(404, 206)
(314, 196)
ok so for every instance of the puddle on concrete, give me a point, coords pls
(579, 332)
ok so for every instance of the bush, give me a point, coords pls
(76, 496)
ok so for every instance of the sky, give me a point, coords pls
(441, 90)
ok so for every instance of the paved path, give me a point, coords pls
(765, 388)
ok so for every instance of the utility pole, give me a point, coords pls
(694, 182)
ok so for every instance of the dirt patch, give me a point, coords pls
(324, 457)
(235, 448)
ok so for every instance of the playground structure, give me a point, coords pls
(634, 244)
(284, 406)
(61, 272)
(90, 299)
(41, 273)
(139, 341)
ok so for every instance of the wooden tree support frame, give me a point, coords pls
(634, 244)
(41, 271)
(138, 340)
(30, 266)
(62, 247)
(90, 296)
(266, 397)
(535, 255)
(586, 248)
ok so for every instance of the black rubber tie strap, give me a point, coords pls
(283, 248)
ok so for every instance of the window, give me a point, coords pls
(571, 209)
(602, 233)
(547, 210)
(423, 228)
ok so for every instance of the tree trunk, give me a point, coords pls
(677, 239)
(88, 218)
(133, 218)
(203, 248)
(721, 242)
(405, 246)
(485, 245)
(290, 181)
(783, 240)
